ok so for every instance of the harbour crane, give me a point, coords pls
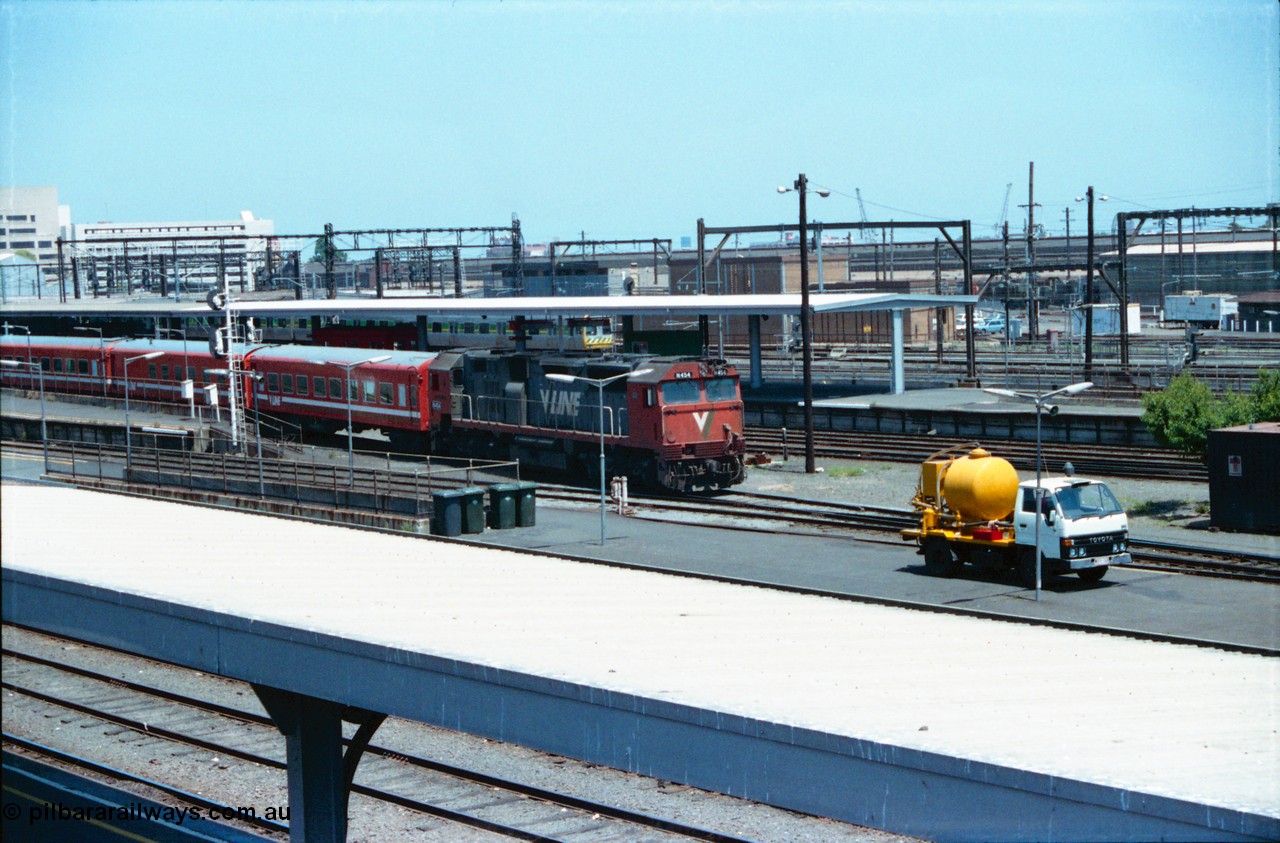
(1004, 209)
(866, 236)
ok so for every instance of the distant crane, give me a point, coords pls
(1004, 209)
(866, 236)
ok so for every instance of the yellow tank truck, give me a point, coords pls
(974, 511)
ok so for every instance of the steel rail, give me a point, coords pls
(475, 777)
(117, 774)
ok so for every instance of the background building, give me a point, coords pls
(32, 221)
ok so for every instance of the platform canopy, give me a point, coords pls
(548, 307)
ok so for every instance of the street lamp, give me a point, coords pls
(1088, 285)
(600, 384)
(44, 434)
(351, 447)
(1039, 401)
(128, 438)
(806, 330)
(186, 364)
(102, 352)
(8, 327)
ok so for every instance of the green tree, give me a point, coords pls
(1182, 414)
(339, 256)
(1266, 396)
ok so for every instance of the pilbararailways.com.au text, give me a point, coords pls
(143, 812)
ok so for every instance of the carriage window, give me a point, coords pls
(273, 382)
(649, 397)
(413, 397)
(71, 365)
(435, 328)
(57, 364)
(286, 384)
(164, 373)
(191, 373)
(370, 391)
(83, 367)
(335, 388)
(386, 393)
(302, 384)
(151, 371)
(680, 392)
(722, 389)
(469, 328)
(484, 327)
(318, 383)
(44, 363)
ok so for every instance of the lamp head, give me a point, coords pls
(824, 193)
(782, 189)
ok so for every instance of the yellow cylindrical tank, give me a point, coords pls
(980, 487)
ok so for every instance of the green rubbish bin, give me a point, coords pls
(472, 509)
(502, 506)
(526, 503)
(446, 512)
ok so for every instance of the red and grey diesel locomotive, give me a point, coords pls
(668, 422)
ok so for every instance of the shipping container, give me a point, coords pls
(1244, 478)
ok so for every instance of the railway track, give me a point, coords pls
(176, 723)
(1094, 460)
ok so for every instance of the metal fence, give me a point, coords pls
(404, 486)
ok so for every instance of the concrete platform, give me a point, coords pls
(945, 727)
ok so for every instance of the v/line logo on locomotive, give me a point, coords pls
(560, 402)
(680, 429)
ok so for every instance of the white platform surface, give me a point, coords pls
(1172, 720)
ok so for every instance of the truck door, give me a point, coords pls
(1025, 523)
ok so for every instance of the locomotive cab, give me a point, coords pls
(689, 413)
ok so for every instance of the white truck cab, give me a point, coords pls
(1082, 527)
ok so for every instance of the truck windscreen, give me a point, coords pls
(1091, 500)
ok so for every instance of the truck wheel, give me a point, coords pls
(1027, 570)
(939, 561)
(1092, 574)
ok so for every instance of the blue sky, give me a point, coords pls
(634, 119)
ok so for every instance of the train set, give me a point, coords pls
(672, 423)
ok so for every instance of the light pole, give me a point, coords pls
(600, 384)
(8, 327)
(102, 352)
(1039, 401)
(44, 433)
(806, 330)
(351, 447)
(128, 436)
(186, 365)
(1088, 285)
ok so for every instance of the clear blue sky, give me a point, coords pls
(634, 119)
